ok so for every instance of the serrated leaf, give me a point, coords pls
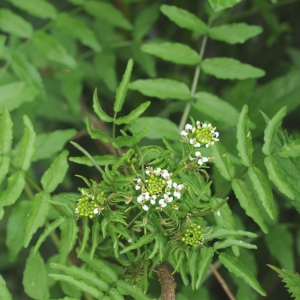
(218, 5)
(52, 49)
(56, 172)
(79, 284)
(14, 24)
(216, 108)
(98, 110)
(48, 230)
(129, 141)
(174, 52)
(281, 248)
(37, 8)
(206, 256)
(271, 131)
(15, 185)
(106, 11)
(96, 134)
(27, 145)
(219, 232)
(223, 215)
(122, 88)
(37, 217)
(100, 160)
(87, 276)
(234, 266)
(47, 144)
(291, 149)
(229, 68)
(162, 88)
(248, 202)
(223, 162)
(292, 281)
(145, 239)
(35, 277)
(4, 292)
(134, 114)
(86, 234)
(85, 35)
(95, 236)
(263, 189)
(14, 94)
(184, 19)
(126, 288)
(159, 128)
(232, 242)
(234, 33)
(15, 229)
(244, 140)
(276, 176)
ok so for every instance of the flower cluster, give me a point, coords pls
(202, 134)
(157, 188)
(193, 235)
(90, 205)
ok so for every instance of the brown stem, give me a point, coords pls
(222, 282)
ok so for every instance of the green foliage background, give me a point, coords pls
(53, 55)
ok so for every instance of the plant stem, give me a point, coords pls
(222, 282)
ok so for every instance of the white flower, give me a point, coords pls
(187, 129)
(178, 188)
(145, 207)
(140, 198)
(201, 159)
(157, 171)
(149, 171)
(165, 174)
(139, 183)
(96, 211)
(163, 202)
(195, 143)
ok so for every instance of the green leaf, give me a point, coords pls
(37, 8)
(263, 189)
(86, 234)
(229, 68)
(15, 229)
(234, 33)
(145, 239)
(271, 131)
(85, 35)
(96, 134)
(248, 202)
(56, 173)
(184, 19)
(115, 294)
(291, 149)
(276, 176)
(292, 281)
(15, 185)
(223, 162)
(79, 284)
(51, 48)
(219, 232)
(162, 88)
(87, 276)
(101, 267)
(216, 108)
(48, 144)
(234, 266)
(4, 292)
(174, 52)
(14, 24)
(123, 87)
(159, 128)
(100, 160)
(218, 5)
(134, 114)
(2, 43)
(144, 21)
(27, 145)
(95, 236)
(48, 230)
(223, 215)
(107, 12)
(232, 242)
(206, 256)
(244, 140)
(6, 136)
(126, 288)
(98, 110)
(35, 277)
(14, 94)
(281, 248)
(129, 141)
(38, 215)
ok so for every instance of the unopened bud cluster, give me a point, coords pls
(193, 235)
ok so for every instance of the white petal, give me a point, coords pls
(183, 133)
(145, 207)
(96, 211)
